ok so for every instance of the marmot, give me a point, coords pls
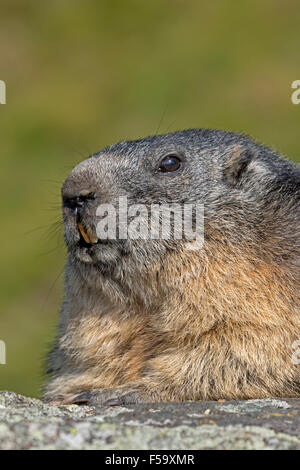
(150, 320)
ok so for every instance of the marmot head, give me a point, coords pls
(227, 173)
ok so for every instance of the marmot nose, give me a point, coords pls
(79, 205)
(78, 201)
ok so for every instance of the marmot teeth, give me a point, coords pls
(87, 234)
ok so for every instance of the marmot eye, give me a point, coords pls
(170, 163)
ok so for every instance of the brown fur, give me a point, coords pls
(238, 344)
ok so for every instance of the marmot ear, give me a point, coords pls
(236, 165)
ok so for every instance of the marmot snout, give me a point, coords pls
(150, 319)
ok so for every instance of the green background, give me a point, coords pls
(83, 74)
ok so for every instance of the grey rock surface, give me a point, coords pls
(27, 423)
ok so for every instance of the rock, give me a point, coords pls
(27, 423)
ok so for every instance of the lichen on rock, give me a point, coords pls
(27, 423)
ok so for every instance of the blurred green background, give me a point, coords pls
(83, 74)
